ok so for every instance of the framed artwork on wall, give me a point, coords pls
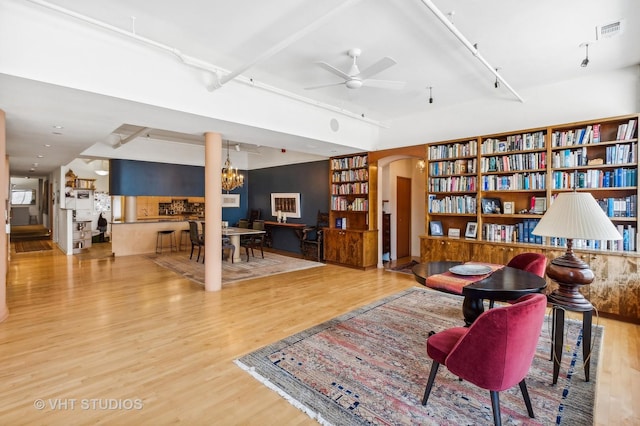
(230, 200)
(287, 203)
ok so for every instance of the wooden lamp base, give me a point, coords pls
(570, 273)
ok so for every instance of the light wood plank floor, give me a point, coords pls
(85, 334)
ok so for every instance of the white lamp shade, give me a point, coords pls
(576, 215)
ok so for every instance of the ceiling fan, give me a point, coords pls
(355, 79)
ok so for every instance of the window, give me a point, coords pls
(23, 196)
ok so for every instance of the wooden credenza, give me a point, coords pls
(354, 248)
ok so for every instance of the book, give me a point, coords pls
(596, 133)
(631, 128)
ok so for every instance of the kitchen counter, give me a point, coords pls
(156, 219)
(129, 238)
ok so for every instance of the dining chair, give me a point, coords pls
(493, 353)
(251, 242)
(226, 245)
(312, 241)
(196, 239)
(531, 262)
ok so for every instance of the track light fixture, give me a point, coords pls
(585, 61)
(430, 95)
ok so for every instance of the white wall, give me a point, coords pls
(597, 96)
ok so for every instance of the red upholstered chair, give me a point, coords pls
(531, 262)
(495, 352)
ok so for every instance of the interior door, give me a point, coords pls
(403, 217)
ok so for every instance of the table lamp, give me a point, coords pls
(573, 215)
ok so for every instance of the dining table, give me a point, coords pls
(234, 234)
(501, 283)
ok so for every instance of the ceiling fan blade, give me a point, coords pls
(334, 70)
(384, 84)
(377, 67)
(324, 85)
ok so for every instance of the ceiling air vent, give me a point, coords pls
(609, 30)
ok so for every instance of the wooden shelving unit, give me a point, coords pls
(349, 240)
(528, 168)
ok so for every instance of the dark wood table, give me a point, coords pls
(295, 227)
(504, 284)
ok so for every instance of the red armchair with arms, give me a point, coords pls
(495, 352)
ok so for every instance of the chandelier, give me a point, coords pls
(231, 179)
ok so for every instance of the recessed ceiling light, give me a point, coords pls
(40, 156)
(46, 145)
(55, 126)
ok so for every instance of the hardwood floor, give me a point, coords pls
(124, 341)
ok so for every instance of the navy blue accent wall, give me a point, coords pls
(311, 180)
(129, 177)
(133, 178)
(234, 214)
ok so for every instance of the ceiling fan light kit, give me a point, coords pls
(355, 79)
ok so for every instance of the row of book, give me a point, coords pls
(620, 154)
(350, 188)
(514, 143)
(343, 204)
(350, 175)
(626, 131)
(454, 150)
(453, 184)
(516, 181)
(591, 134)
(507, 163)
(629, 241)
(619, 207)
(570, 158)
(617, 178)
(585, 135)
(440, 168)
(349, 162)
(614, 154)
(453, 204)
(520, 232)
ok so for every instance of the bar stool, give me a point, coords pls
(185, 233)
(159, 239)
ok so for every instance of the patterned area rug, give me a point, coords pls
(272, 264)
(32, 245)
(370, 366)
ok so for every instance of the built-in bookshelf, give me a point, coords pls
(503, 183)
(452, 184)
(349, 189)
(600, 157)
(349, 240)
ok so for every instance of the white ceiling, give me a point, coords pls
(276, 43)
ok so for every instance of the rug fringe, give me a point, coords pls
(300, 406)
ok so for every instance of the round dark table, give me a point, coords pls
(502, 285)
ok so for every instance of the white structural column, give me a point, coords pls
(213, 211)
(4, 240)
